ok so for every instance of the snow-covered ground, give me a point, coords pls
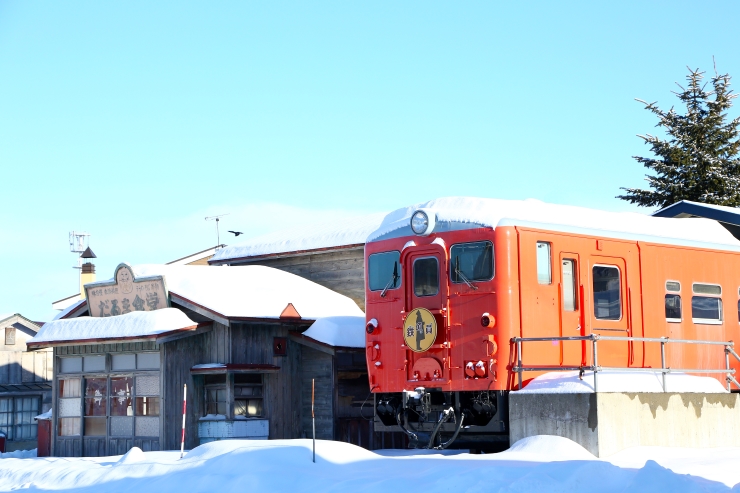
(536, 464)
(570, 382)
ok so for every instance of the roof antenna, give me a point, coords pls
(78, 243)
(216, 218)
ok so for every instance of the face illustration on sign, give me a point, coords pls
(125, 280)
(419, 330)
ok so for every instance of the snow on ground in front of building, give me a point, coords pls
(534, 465)
(18, 454)
(351, 231)
(568, 382)
(483, 212)
(134, 324)
(338, 331)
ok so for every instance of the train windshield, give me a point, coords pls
(384, 271)
(471, 262)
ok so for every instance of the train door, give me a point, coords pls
(608, 308)
(426, 269)
(571, 305)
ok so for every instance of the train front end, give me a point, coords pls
(433, 333)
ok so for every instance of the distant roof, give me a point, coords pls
(729, 217)
(133, 325)
(249, 292)
(457, 213)
(310, 237)
(88, 253)
(208, 252)
(17, 318)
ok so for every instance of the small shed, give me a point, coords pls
(25, 382)
(123, 355)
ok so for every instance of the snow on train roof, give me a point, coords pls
(456, 213)
(331, 234)
(250, 291)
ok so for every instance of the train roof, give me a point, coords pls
(459, 213)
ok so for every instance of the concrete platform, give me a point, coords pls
(605, 423)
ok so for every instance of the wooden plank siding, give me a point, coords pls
(252, 343)
(341, 270)
(319, 366)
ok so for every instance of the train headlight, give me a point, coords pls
(422, 222)
(487, 320)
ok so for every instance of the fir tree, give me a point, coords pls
(700, 160)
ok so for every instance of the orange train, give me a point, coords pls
(450, 282)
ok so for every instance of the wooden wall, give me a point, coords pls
(17, 364)
(341, 270)
(320, 366)
(252, 343)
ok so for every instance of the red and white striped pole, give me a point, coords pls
(184, 407)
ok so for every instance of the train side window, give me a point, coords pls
(426, 276)
(673, 286)
(384, 270)
(706, 309)
(673, 307)
(471, 261)
(607, 292)
(569, 285)
(544, 264)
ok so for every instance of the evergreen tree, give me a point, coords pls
(700, 160)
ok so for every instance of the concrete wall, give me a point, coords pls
(606, 423)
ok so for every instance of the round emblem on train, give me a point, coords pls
(419, 330)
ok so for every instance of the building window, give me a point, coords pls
(607, 292)
(248, 395)
(471, 262)
(706, 309)
(70, 406)
(10, 336)
(426, 276)
(16, 417)
(216, 394)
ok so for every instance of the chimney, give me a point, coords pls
(87, 271)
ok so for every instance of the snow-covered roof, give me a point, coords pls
(5, 316)
(69, 309)
(249, 292)
(338, 331)
(455, 213)
(621, 381)
(122, 327)
(308, 237)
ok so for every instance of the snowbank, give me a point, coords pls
(19, 454)
(134, 324)
(338, 331)
(309, 237)
(250, 291)
(539, 464)
(616, 381)
(469, 212)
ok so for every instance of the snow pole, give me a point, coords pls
(184, 407)
(313, 417)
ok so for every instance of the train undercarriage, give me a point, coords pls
(433, 419)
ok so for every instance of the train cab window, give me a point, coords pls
(544, 264)
(607, 292)
(471, 262)
(569, 285)
(384, 271)
(673, 286)
(426, 276)
(707, 308)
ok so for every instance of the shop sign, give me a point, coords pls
(126, 293)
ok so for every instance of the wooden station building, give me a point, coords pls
(236, 336)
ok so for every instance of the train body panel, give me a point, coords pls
(480, 286)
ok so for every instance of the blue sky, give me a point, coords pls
(133, 121)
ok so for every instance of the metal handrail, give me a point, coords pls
(595, 338)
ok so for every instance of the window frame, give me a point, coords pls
(549, 261)
(593, 293)
(400, 271)
(707, 321)
(493, 262)
(413, 277)
(14, 425)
